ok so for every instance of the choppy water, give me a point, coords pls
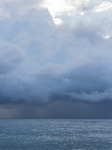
(35, 134)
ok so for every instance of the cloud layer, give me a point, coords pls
(41, 62)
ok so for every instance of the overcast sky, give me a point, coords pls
(55, 59)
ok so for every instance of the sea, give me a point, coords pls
(55, 134)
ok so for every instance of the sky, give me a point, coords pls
(56, 59)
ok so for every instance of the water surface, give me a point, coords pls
(54, 134)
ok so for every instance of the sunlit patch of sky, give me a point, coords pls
(70, 8)
(58, 8)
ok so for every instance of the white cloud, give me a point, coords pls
(104, 6)
(57, 21)
(107, 36)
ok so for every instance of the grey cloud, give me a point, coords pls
(41, 63)
(10, 56)
(18, 7)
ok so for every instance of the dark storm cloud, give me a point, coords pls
(60, 109)
(41, 63)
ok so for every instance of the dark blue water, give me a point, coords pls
(32, 134)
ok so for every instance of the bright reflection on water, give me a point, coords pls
(23, 134)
